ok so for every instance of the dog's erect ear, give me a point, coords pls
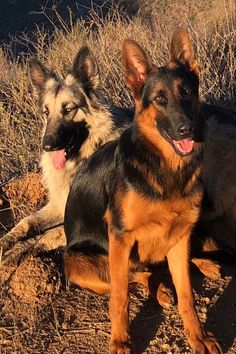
(136, 66)
(39, 74)
(85, 69)
(181, 50)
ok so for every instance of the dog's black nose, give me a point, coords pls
(47, 148)
(185, 129)
(49, 143)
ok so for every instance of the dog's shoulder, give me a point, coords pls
(96, 168)
(221, 115)
(219, 168)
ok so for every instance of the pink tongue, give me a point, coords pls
(58, 159)
(184, 146)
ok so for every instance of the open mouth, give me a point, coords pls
(59, 157)
(182, 147)
(71, 149)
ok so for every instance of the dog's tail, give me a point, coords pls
(88, 270)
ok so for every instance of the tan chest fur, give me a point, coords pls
(158, 225)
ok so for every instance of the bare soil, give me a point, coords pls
(39, 315)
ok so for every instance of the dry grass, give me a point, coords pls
(211, 25)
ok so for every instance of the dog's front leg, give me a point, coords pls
(50, 240)
(119, 252)
(178, 260)
(38, 221)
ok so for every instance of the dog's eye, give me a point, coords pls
(160, 98)
(184, 92)
(46, 111)
(68, 109)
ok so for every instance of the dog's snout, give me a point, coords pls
(49, 142)
(185, 129)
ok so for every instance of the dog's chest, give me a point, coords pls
(158, 226)
(57, 182)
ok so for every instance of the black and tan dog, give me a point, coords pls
(150, 181)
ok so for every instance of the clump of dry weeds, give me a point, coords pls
(211, 25)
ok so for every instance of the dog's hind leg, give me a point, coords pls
(41, 220)
(155, 288)
(90, 272)
(202, 249)
(207, 267)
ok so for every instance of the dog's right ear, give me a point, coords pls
(85, 69)
(39, 75)
(136, 66)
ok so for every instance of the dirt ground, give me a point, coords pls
(39, 315)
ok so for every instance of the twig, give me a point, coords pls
(55, 319)
(2, 329)
(5, 341)
(17, 334)
(1, 251)
(100, 331)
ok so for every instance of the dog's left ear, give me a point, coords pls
(181, 50)
(85, 69)
(136, 66)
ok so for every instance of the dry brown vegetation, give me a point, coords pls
(210, 23)
(37, 314)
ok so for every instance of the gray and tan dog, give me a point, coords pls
(78, 121)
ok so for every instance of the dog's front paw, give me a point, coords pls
(14, 255)
(21, 250)
(118, 347)
(207, 344)
(6, 242)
